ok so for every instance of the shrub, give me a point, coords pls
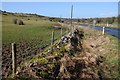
(15, 21)
(21, 22)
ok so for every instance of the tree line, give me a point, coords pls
(109, 20)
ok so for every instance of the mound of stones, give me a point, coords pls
(74, 63)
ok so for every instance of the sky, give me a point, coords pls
(63, 9)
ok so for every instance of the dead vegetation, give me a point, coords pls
(80, 61)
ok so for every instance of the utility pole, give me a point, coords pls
(71, 18)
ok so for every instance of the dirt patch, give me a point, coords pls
(23, 53)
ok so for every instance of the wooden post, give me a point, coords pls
(103, 30)
(94, 22)
(52, 41)
(107, 24)
(14, 59)
(61, 33)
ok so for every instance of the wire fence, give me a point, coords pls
(30, 51)
(25, 52)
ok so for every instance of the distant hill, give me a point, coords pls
(109, 20)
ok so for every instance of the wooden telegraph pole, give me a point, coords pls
(71, 18)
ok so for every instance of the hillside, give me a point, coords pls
(83, 54)
(30, 38)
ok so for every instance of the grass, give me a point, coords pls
(110, 51)
(112, 57)
(38, 33)
(114, 25)
(33, 32)
(30, 38)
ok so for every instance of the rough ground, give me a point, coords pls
(78, 55)
(73, 57)
(23, 53)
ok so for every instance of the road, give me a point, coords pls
(112, 31)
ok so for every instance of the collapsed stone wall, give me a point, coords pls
(73, 40)
(68, 60)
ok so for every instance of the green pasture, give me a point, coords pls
(35, 31)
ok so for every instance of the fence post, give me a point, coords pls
(14, 59)
(103, 30)
(52, 41)
(61, 33)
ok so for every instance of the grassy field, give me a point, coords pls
(30, 38)
(34, 31)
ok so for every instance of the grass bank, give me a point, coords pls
(106, 46)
